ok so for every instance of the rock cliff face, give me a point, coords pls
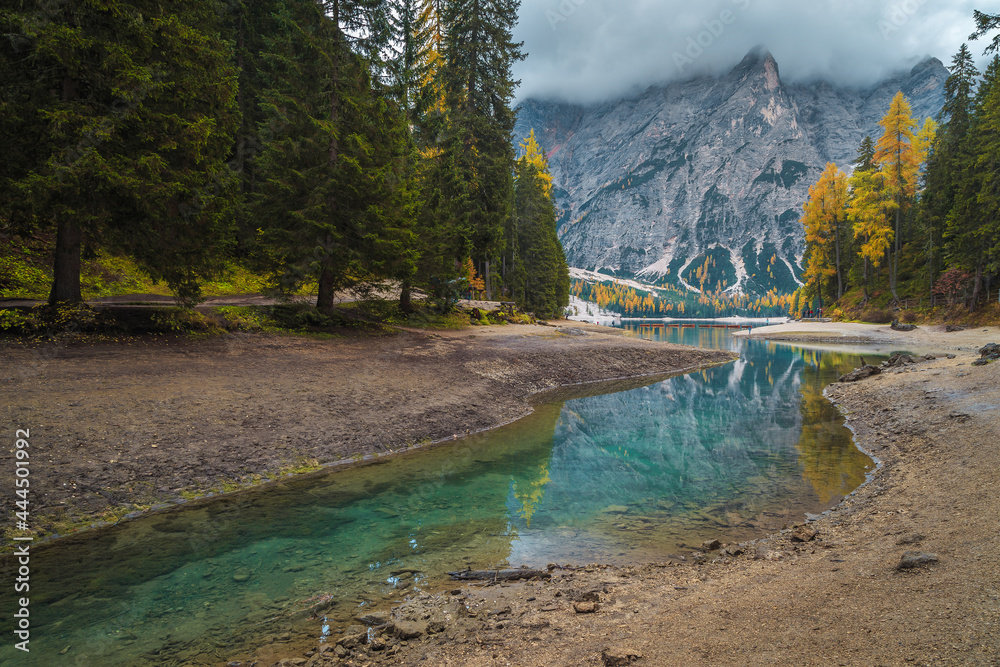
(709, 173)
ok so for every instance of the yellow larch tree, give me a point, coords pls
(924, 140)
(535, 156)
(895, 154)
(868, 212)
(825, 213)
(430, 20)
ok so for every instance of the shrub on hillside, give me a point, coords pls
(876, 315)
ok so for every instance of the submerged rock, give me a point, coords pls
(374, 618)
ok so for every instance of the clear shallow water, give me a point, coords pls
(730, 452)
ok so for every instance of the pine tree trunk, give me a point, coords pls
(66, 266)
(864, 282)
(930, 263)
(977, 288)
(819, 294)
(66, 263)
(324, 301)
(840, 279)
(894, 265)
(406, 297)
(489, 286)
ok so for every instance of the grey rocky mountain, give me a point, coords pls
(713, 169)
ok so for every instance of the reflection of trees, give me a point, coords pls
(531, 492)
(719, 435)
(830, 461)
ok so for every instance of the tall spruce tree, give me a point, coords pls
(479, 53)
(949, 152)
(865, 158)
(411, 63)
(988, 166)
(18, 103)
(969, 229)
(432, 102)
(130, 111)
(333, 200)
(249, 25)
(412, 69)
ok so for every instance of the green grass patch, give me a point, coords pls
(26, 273)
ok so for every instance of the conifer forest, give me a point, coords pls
(330, 145)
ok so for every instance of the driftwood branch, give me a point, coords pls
(499, 575)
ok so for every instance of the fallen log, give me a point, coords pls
(498, 575)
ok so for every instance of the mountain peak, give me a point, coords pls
(755, 57)
(928, 63)
(759, 60)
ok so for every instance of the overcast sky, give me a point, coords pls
(593, 50)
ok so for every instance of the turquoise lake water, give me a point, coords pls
(731, 452)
